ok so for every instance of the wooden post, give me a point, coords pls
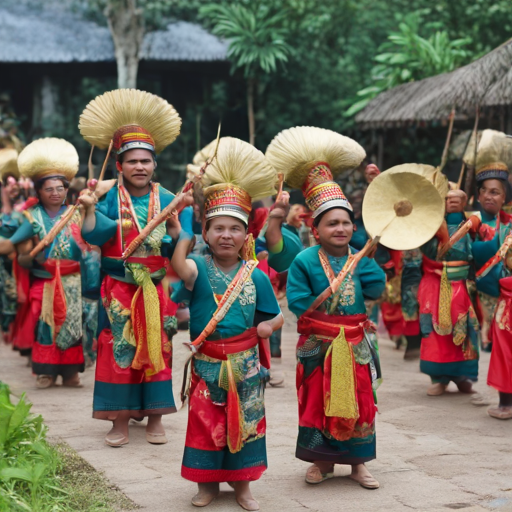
(380, 151)
(444, 158)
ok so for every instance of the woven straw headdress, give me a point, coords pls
(9, 163)
(494, 155)
(48, 157)
(133, 119)
(310, 158)
(433, 174)
(238, 175)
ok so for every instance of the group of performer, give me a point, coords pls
(99, 270)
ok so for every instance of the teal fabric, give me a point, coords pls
(253, 454)
(307, 280)
(107, 215)
(292, 246)
(240, 317)
(444, 372)
(133, 397)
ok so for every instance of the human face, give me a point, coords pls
(492, 196)
(294, 215)
(335, 230)
(138, 167)
(53, 193)
(226, 236)
(13, 189)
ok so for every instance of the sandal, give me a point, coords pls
(478, 399)
(366, 481)
(315, 476)
(206, 495)
(44, 381)
(156, 438)
(115, 440)
(436, 389)
(501, 413)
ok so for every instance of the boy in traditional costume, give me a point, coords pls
(233, 311)
(334, 376)
(133, 369)
(52, 321)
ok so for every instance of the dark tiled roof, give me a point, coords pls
(52, 35)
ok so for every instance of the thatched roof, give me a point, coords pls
(53, 35)
(485, 81)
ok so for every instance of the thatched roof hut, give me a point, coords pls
(485, 81)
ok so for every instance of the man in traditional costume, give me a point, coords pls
(448, 306)
(136, 322)
(233, 311)
(336, 361)
(51, 321)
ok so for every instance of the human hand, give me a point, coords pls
(264, 330)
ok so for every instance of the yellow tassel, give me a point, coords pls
(342, 402)
(445, 326)
(234, 413)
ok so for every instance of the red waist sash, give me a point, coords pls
(329, 325)
(222, 348)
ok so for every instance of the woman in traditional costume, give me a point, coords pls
(52, 322)
(136, 320)
(335, 366)
(233, 312)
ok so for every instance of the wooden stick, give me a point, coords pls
(59, 226)
(336, 283)
(90, 166)
(457, 236)
(444, 158)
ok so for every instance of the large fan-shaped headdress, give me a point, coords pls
(433, 174)
(200, 158)
(133, 119)
(310, 158)
(9, 163)
(494, 155)
(48, 157)
(238, 175)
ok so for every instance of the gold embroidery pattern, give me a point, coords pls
(444, 326)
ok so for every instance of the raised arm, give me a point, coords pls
(185, 268)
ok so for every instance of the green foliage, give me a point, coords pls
(256, 34)
(407, 56)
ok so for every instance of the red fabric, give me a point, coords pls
(412, 327)
(221, 348)
(500, 367)
(312, 389)
(51, 354)
(107, 369)
(257, 220)
(223, 475)
(393, 318)
(28, 316)
(22, 276)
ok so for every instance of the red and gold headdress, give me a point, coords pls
(310, 158)
(494, 155)
(133, 119)
(238, 175)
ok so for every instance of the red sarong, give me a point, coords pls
(500, 367)
(313, 388)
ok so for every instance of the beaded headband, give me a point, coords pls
(133, 137)
(227, 200)
(496, 170)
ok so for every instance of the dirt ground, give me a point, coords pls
(434, 453)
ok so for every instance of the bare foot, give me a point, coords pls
(436, 389)
(363, 477)
(155, 432)
(206, 493)
(501, 413)
(244, 496)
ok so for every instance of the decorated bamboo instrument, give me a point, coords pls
(497, 258)
(457, 236)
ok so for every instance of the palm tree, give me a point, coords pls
(256, 42)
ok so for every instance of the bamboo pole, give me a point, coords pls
(444, 158)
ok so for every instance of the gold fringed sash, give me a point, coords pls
(341, 402)
(444, 326)
(149, 328)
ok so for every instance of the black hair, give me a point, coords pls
(38, 185)
(316, 220)
(120, 157)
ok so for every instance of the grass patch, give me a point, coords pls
(36, 476)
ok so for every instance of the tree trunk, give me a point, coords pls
(126, 24)
(250, 109)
